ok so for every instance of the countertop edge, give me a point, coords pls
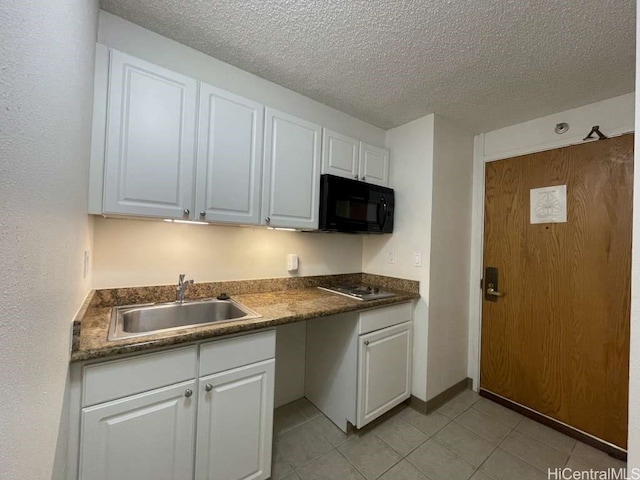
(231, 328)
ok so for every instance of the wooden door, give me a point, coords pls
(384, 371)
(235, 423)
(291, 185)
(147, 436)
(558, 340)
(229, 157)
(150, 151)
(374, 165)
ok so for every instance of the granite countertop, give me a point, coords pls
(278, 301)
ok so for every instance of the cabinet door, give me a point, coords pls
(150, 151)
(384, 371)
(147, 436)
(230, 135)
(235, 424)
(374, 165)
(339, 154)
(291, 188)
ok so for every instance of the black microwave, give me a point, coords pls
(352, 206)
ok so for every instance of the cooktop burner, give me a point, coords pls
(359, 292)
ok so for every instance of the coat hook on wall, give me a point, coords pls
(596, 130)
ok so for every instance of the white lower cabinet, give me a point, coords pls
(358, 366)
(235, 423)
(384, 371)
(144, 436)
(213, 421)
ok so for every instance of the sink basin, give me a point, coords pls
(137, 320)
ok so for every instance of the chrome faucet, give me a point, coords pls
(182, 287)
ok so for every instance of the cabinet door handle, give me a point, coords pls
(186, 211)
(188, 392)
(267, 220)
(363, 178)
(203, 214)
(208, 387)
(355, 176)
(366, 342)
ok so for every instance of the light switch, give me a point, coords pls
(417, 259)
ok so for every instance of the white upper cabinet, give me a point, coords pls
(290, 194)
(340, 155)
(346, 157)
(168, 146)
(150, 151)
(229, 165)
(374, 165)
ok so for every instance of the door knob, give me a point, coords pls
(491, 285)
(493, 292)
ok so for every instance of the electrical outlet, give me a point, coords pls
(391, 257)
(417, 259)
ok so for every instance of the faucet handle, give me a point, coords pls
(181, 278)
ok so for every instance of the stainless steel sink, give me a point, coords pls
(137, 320)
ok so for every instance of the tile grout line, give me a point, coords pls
(541, 443)
(494, 451)
(295, 469)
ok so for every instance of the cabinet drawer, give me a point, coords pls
(121, 378)
(237, 351)
(383, 317)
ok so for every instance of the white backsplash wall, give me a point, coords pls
(137, 252)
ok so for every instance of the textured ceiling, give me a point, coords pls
(485, 63)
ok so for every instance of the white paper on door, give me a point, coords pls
(549, 204)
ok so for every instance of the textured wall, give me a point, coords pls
(46, 75)
(138, 252)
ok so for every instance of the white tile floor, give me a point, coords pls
(468, 438)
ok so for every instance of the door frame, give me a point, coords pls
(480, 159)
